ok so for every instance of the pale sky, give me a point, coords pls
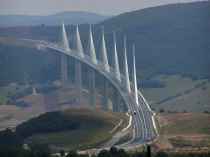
(107, 7)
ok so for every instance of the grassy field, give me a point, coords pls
(179, 94)
(178, 130)
(89, 134)
(186, 123)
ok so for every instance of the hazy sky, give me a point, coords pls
(108, 7)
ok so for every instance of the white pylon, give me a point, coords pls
(104, 57)
(79, 46)
(91, 48)
(65, 42)
(134, 76)
(116, 60)
(127, 80)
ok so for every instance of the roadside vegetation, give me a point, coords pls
(43, 151)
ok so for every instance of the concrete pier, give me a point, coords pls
(78, 80)
(92, 88)
(64, 68)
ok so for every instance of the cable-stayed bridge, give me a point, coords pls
(143, 123)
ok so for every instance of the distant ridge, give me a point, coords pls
(71, 17)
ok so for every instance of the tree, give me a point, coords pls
(122, 153)
(38, 150)
(10, 138)
(104, 153)
(113, 151)
(162, 110)
(161, 154)
(72, 154)
(62, 153)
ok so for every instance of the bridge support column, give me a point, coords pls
(78, 80)
(117, 106)
(92, 88)
(64, 68)
(105, 99)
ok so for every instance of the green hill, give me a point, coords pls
(169, 39)
(72, 129)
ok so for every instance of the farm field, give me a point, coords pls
(183, 130)
(179, 94)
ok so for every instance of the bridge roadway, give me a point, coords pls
(143, 124)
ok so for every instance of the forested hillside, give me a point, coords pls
(169, 39)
